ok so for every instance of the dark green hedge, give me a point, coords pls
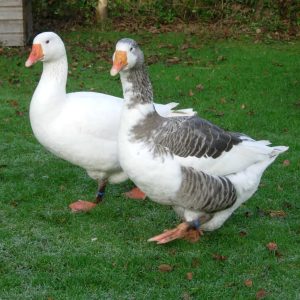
(279, 14)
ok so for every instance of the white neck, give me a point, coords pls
(51, 90)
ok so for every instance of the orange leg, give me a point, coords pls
(84, 206)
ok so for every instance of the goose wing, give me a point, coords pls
(195, 137)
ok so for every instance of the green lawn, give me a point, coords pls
(48, 253)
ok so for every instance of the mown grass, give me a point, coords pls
(48, 253)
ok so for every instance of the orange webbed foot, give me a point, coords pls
(136, 194)
(82, 206)
(182, 231)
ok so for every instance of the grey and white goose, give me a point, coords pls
(202, 171)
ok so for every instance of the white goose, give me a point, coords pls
(80, 127)
(202, 171)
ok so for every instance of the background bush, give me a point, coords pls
(273, 14)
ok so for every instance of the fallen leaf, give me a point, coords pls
(215, 112)
(177, 78)
(251, 113)
(279, 188)
(230, 284)
(189, 276)
(287, 204)
(223, 100)
(277, 213)
(191, 93)
(173, 251)
(185, 46)
(173, 60)
(248, 282)
(153, 59)
(248, 214)
(242, 233)
(199, 87)
(272, 246)
(165, 268)
(243, 106)
(297, 103)
(221, 58)
(195, 262)
(258, 30)
(14, 203)
(14, 103)
(19, 113)
(217, 256)
(186, 296)
(286, 162)
(260, 294)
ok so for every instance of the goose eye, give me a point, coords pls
(47, 42)
(131, 48)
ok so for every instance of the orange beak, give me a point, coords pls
(35, 55)
(120, 61)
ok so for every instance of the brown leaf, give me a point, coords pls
(189, 276)
(173, 60)
(186, 296)
(242, 233)
(272, 246)
(248, 282)
(19, 113)
(165, 268)
(153, 59)
(217, 256)
(14, 203)
(278, 254)
(251, 113)
(191, 93)
(173, 251)
(248, 214)
(185, 46)
(221, 58)
(14, 103)
(277, 213)
(286, 162)
(216, 112)
(177, 78)
(287, 204)
(260, 294)
(195, 262)
(199, 87)
(223, 100)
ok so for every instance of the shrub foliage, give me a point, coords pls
(272, 14)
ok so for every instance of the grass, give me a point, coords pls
(48, 253)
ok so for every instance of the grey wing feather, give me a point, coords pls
(195, 137)
(200, 191)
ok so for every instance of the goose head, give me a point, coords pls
(128, 55)
(46, 47)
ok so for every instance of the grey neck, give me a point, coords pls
(137, 88)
